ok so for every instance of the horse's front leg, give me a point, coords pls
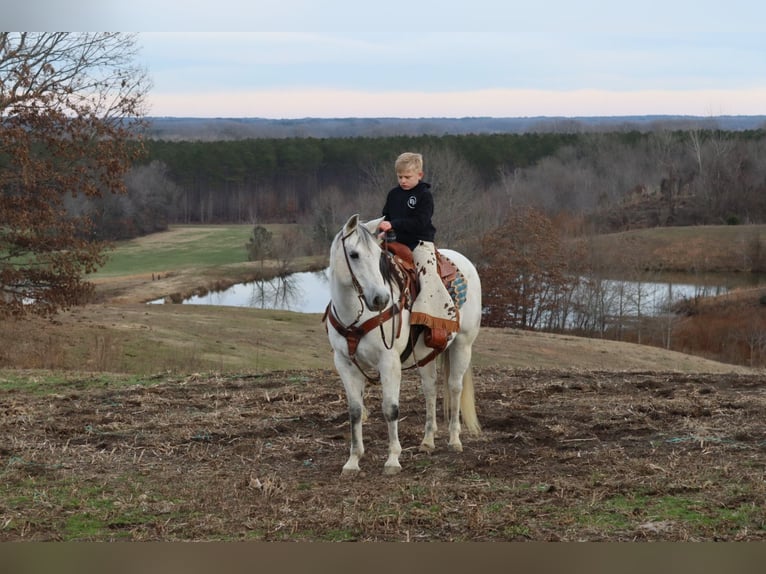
(428, 385)
(390, 380)
(353, 383)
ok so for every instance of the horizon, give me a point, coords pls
(463, 117)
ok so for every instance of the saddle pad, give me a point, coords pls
(457, 289)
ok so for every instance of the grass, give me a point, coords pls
(191, 260)
(81, 346)
(82, 349)
(658, 512)
(180, 247)
(257, 457)
(144, 340)
(89, 512)
(85, 512)
(45, 382)
(702, 249)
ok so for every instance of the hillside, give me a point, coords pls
(564, 455)
(696, 249)
(209, 129)
(148, 339)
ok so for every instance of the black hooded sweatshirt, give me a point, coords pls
(410, 214)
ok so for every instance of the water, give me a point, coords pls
(309, 292)
(305, 292)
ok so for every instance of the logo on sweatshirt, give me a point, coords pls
(412, 202)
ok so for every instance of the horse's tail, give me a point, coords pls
(468, 404)
(467, 400)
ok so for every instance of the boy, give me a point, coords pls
(408, 211)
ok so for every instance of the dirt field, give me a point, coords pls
(564, 456)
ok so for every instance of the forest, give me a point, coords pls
(612, 181)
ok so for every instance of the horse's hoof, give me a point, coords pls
(349, 471)
(455, 447)
(427, 448)
(391, 470)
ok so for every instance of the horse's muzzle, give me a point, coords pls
(378, 301)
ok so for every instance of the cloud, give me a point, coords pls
(497, 103)
(426, 58)
(438, 61)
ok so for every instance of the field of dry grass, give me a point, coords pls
(708, 249)
(147, 339)
(564, 455)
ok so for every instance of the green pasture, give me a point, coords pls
(182, 246)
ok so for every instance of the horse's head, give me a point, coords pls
(355, 262)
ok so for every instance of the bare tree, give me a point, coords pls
(753, 333)
(526, 272)
(695, 143)
(70, 105)
(458, 213)
(260, 246)
(329, 208)
(461, 213)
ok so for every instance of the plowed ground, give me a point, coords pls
(563, 455)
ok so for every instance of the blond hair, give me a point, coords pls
(409, 161)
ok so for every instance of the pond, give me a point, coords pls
(309, 292)
(305, 292)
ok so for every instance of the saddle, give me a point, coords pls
(402, 259)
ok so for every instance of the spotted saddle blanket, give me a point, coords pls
(451, 276)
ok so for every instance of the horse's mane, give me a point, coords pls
(386, 267)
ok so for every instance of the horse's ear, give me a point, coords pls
(372, 225)
(351, 224)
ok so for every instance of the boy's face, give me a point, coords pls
(409, 178)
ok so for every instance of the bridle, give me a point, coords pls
(355, 282)
(354, 332)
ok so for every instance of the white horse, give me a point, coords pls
(371, 338)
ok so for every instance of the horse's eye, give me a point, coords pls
(354, 255)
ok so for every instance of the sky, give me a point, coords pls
(429, 58)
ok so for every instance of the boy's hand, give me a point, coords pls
(382, 228)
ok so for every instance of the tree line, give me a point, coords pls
(614, 181)
(279, 180)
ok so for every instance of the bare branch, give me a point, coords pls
(69, 106)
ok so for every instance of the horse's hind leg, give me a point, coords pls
(457, 363)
